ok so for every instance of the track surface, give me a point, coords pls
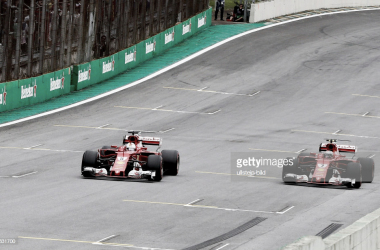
(302, 70)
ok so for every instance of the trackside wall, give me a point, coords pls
(363, 234)
(26, 92)
(261, 11)
(97, 71)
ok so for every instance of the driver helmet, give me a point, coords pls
(131, 146)
(136, 166)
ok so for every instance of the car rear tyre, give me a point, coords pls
(89, 159)
(368, 169)
(171, 161)
(290, 168)
(354, 172)
(154, 163)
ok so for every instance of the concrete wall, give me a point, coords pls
(364, 234)
(265, 10)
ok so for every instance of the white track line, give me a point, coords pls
(285, 210)
(231, 209)
(366, 113)
(99, 242)
(170, 129)
(212, 91)
(300, 151)
(158, 107)
(19, 176)
(222, 246)
(201, 52)
(371, 156)
(105, 125)
(169, 110)
(42, 149)
(327, 133)
(34, 146)
(191, 203)
(213, 113)
(336, 132)
(254, 93)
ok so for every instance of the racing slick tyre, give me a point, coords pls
(354, 172)
(171, 161)
(154, 163)
(89, 160)
(290, 168)
(368, 169)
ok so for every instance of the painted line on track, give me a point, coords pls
(164, 131)
(76, 126)
(336, 132)
(103, 126)
(328, 133)
(211, 91)
(100, 242)
(169, 110)
(358, 115)
(23, 175)
(222, 246)
(300, 151)
(286, 210)
(116, 129)
(42, 149)
(193, 202)
(371, 96)
(92, 242)
(206, 207)
(34, 146)
(174, 65)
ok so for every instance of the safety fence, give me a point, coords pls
(41, 36)
(24, 92)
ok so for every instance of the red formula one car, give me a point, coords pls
(330, 167)
(131, 160)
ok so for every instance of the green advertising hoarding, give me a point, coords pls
(34, 90)
(8, 95)
(128, 58)
(39, 89)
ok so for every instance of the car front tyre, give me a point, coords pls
(154, 163)
(89, 159)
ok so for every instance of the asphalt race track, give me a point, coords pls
(317, 78)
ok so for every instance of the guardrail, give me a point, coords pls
(362, 234)
(22, 93)
(261, 11)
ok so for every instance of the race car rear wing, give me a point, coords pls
(155, 141)
(341, 148)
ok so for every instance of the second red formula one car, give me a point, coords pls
(131, 160)
(330, 167)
